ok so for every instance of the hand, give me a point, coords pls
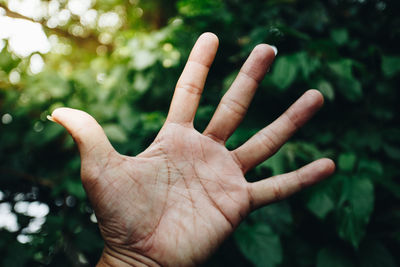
(176, 202)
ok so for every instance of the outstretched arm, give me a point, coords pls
(175, 203)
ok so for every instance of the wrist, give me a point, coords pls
(111, 257)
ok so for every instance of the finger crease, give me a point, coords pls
(248, 76)
(269, 142)
(250, 192)
(292, 121)
(238, 161)
(299, 179)
(199, 63)
(215, 138)
(277, 189)
(190, 88)
(234, 106)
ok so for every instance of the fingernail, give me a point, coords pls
(50, 118)
(275, 49)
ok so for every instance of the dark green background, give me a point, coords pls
(349, 50)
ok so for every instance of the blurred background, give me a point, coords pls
(119, 61)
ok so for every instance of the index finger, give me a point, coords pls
(190, 85)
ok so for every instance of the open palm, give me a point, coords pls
(174, 204)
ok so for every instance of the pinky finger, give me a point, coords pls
(282, 186)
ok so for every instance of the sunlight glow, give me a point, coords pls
(14, 76)
(6, 119)
(8, 220)
(8, 217)
(37, 211)
(34, 9)
(24, 37)
(79, 7)
(36, 64)
(109, 20)
(89, 18)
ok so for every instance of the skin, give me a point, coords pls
(176, 202)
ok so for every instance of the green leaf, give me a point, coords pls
(351, 89)
(141, 82)
(390, 65)
(143, 59)
(320, 203)
(198, 8)
(306, 64)
(278, 216)
(342, 68)
(229, 79)
(340, 36)
(304, 151)
(7, 62)
(346, 161)
(291, 31)
(356, 205)
(115, 133)
(259, 244)
(332, 257)
(51, 131)
(284, 72)
(75, 188)
(370, 168)
(348, 85)
(276, 163)
(392, 151)
(326, 89)
(127, 117)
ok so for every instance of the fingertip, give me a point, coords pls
(317, 97)
(209, 36)
(326, 167)
(258, 62)
(73, 120)
(59, 113)
(265, 51)
(330, 165)
(55, 112)
(56, 115)
(209, 41)
(68, 113)
(317, 171)
(205, 49)
(85, 130)
(265, 48)
(275, 49)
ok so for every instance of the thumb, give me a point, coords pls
(92, 142)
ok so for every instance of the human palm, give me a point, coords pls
(174, 204)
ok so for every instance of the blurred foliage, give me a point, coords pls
(124, 76)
